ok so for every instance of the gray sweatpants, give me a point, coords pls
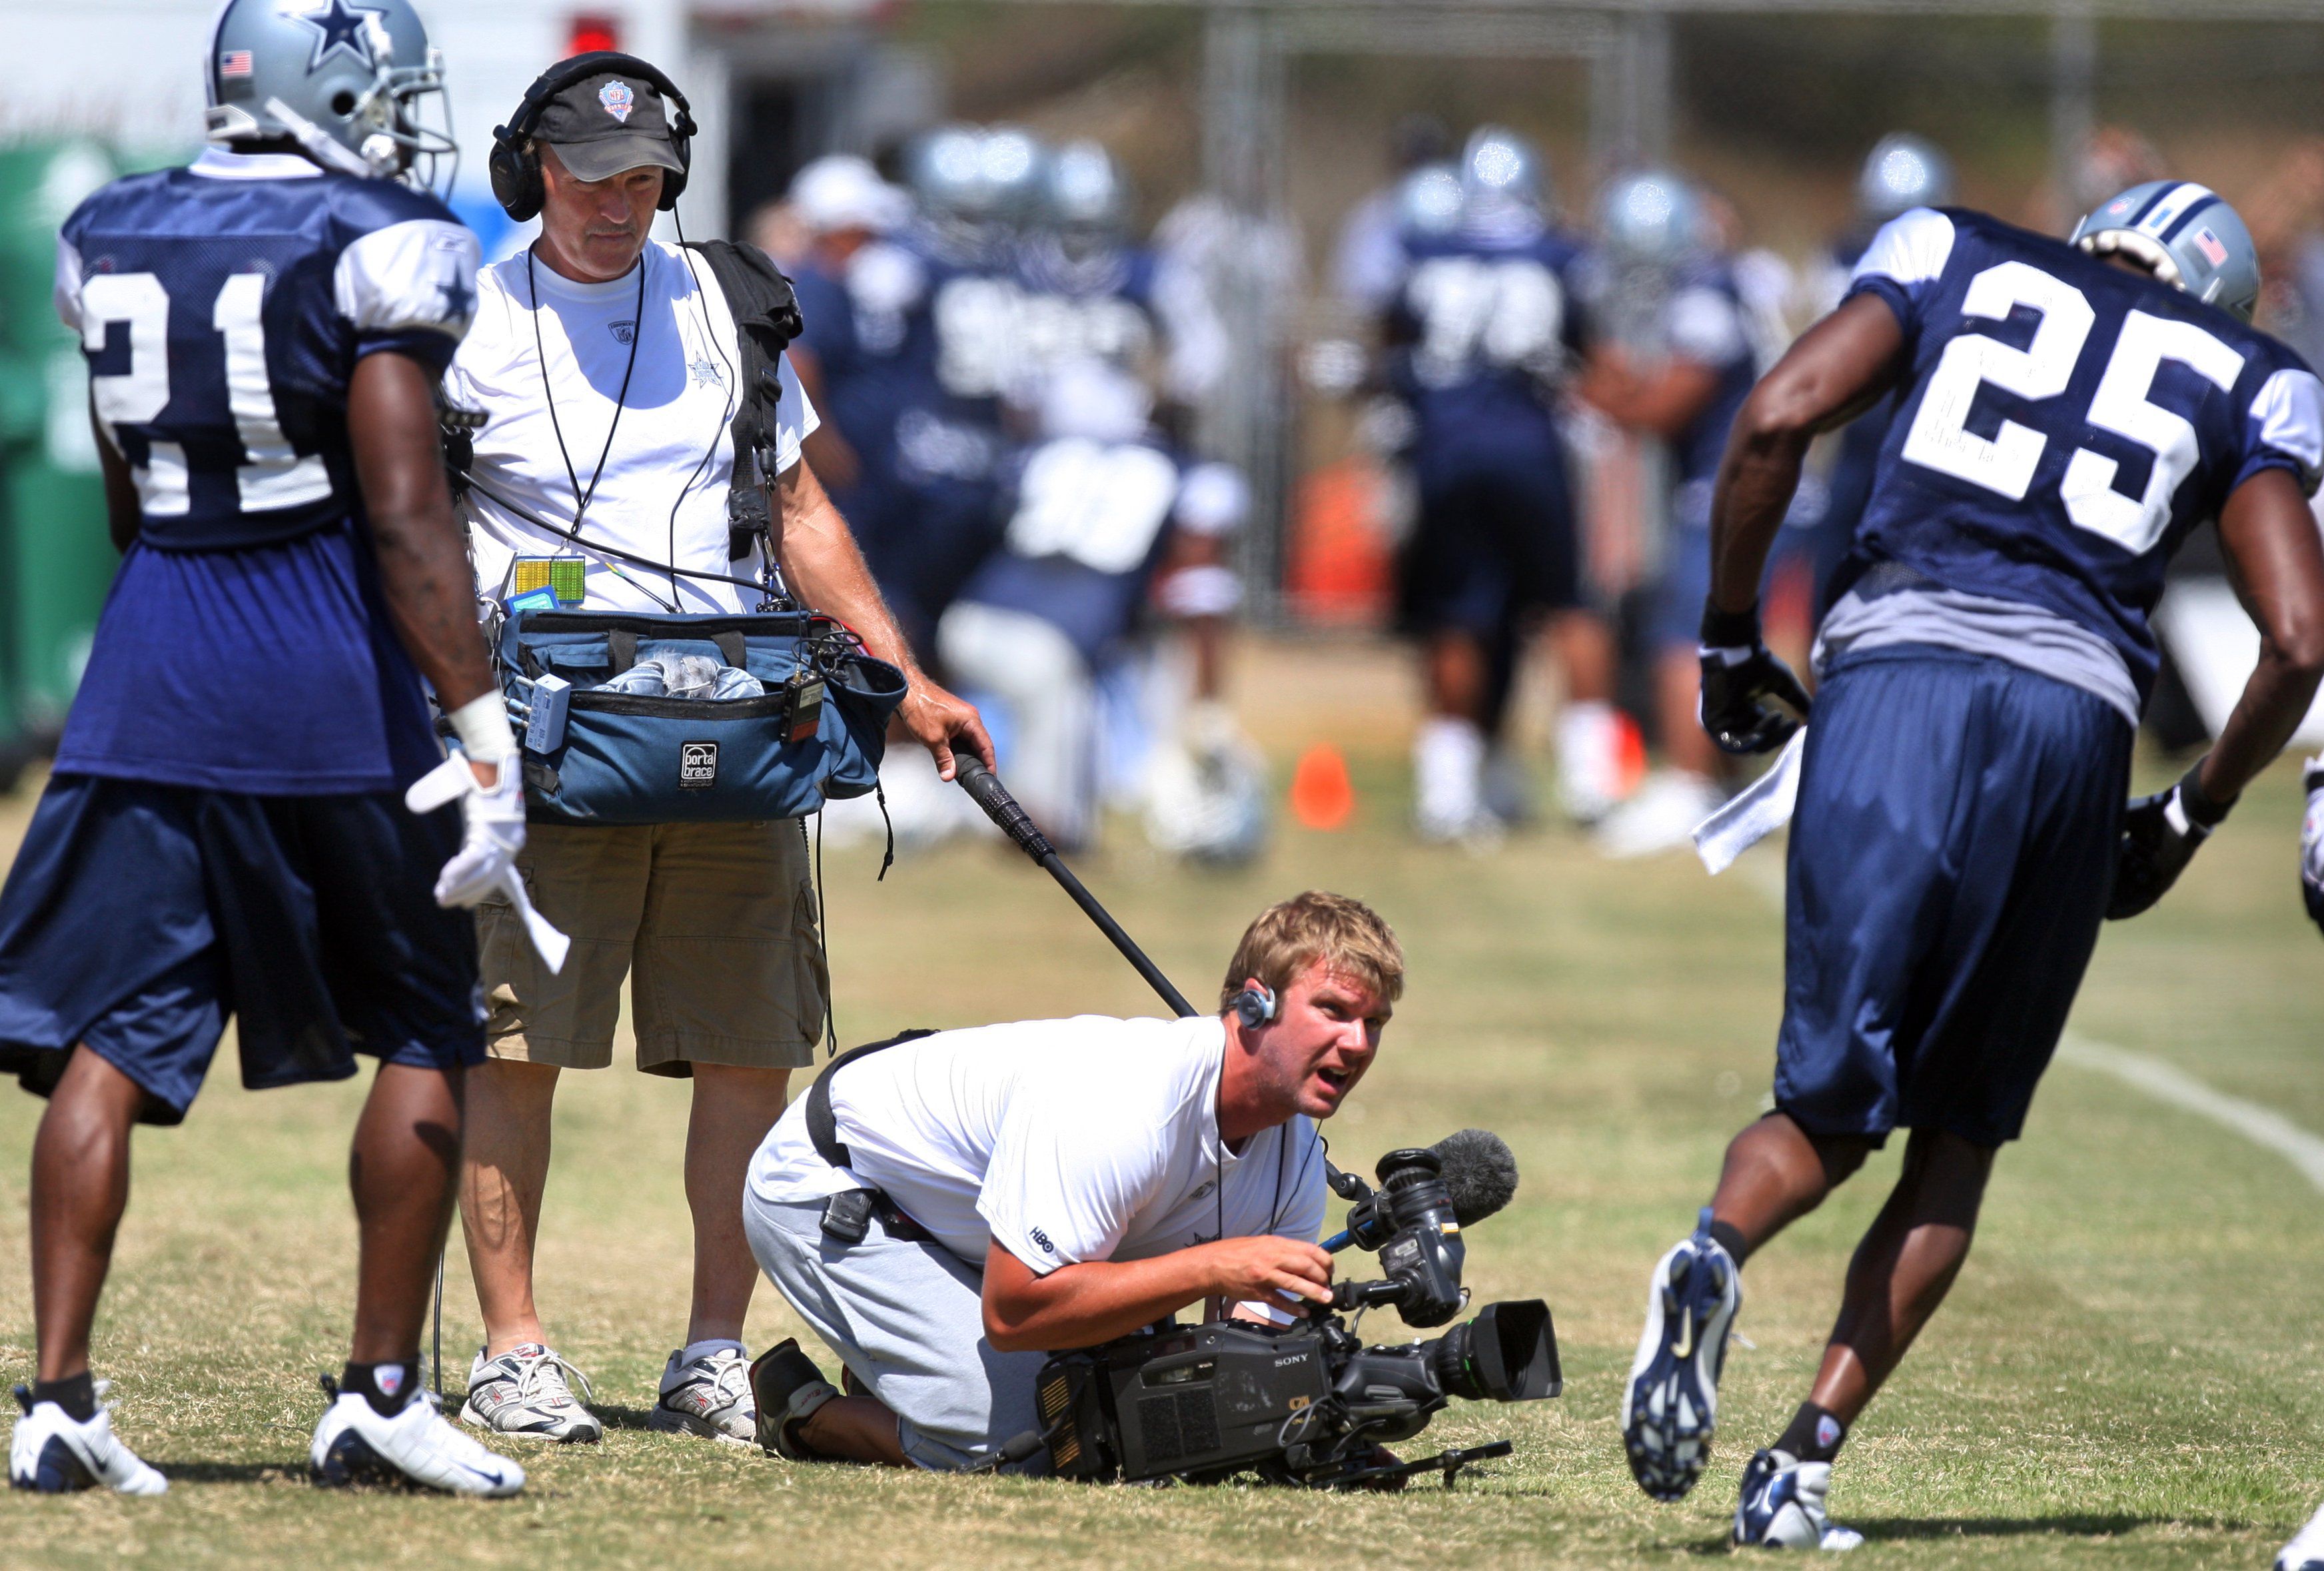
(908, 1318)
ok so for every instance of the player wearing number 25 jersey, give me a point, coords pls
(2066, 413)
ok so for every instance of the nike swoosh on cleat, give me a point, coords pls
(1686, 1335)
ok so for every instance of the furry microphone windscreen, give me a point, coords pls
(1479, 1173)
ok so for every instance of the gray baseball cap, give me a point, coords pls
(604, 125)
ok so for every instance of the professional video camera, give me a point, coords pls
(1309, 1404)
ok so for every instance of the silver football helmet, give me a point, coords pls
(344, 80)
(1653, 216)
(1428, 201)
(1499, 169)
(2184, 233)
(1082, 188)
(945, 170)
(1010, 159)
(1902, 172)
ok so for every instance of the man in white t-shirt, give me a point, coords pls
(1013, 1190)
(607, 370)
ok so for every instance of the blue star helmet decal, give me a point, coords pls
(340, 28)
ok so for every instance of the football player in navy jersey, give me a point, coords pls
(1089, 294)
(1483, 333)
(2067, 412)
(225, 830)
(1682, 384)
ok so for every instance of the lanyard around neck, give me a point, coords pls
(581, 499)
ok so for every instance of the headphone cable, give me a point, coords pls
(581, 500)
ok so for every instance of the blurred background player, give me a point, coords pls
(1675, 363)
(1900, 172)
(1368, 259)
(225, 831)
(1090, 294)
(1101, 511)
(1482, 332)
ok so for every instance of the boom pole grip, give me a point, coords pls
(986, 788)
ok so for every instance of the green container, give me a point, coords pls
(56, 559)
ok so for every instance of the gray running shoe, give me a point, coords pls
(523, 1392)
(710, 1396)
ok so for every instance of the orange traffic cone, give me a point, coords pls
(1321, 796)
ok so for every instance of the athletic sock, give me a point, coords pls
(1729, 1237)
(387, 1387)
(702, 1349)
(1815, 1435)
(76, 1394)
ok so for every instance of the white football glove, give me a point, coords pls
(491, 832)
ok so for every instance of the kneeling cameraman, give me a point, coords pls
(950, 1208)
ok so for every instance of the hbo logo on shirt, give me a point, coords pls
(697, 764)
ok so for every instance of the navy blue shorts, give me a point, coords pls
(1495, 539)
(138, 917)
(1950, 860)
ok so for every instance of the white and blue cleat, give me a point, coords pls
(2306, 1550)
(1781, 1506)
(1670, 1405)
(53, 1453)
(353, 1444)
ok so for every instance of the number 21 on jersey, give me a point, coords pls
(272, 475)
(1940, 437)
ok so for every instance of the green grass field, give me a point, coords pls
(2125, 1374)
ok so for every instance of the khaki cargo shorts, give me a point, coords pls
(714, 924)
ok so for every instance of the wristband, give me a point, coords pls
(1729, 629)
(2201, 810)
(482, 725)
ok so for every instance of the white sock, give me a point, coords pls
(1448, 762)
(702, 1349)
(1585, 750)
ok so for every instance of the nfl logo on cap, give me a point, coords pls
(618, 100)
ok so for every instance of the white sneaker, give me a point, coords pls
(2306, 1550)
(54, 1453)
(1781, 1506)
(353, 1444)
(1448, 782)
(710, 1397)
(1661, 817)
(523, 1392)
(1589, 761)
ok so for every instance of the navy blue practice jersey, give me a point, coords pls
(1487, 328)
(222, 309)
(1703, 322)
(2065, 423)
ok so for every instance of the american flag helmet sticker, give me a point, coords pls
(234, 62)
(2208, 245)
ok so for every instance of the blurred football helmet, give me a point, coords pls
(344, 80)
(1500, 171)
(2185, 235)
(1653, 216)
(1082, 188)
(1902, 172)
(946, 171)
(1009, 159)
(1428, 201)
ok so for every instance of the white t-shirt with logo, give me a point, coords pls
(662, 491)
(1063, 1140)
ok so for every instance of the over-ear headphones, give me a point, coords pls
(1254, 1005)
(515, 165)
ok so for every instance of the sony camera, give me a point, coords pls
(1309, 1404)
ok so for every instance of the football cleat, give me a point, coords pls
(523, 1391)
(355, 1446)
(1781, 1506)
(54, 1453)
(710, 1397)
(2306, 1550)
(1670, 1405)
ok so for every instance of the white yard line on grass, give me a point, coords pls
(2164, 1082)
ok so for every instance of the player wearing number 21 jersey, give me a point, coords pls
(2066, 413)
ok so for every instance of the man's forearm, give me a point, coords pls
(1757, 479)
(826, 570)
(2276, 563)
(1080, 1306)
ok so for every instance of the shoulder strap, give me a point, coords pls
(822, 1124)
(766, 315)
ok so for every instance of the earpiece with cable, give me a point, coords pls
(1255, 1005)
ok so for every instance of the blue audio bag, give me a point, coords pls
(817, 734)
